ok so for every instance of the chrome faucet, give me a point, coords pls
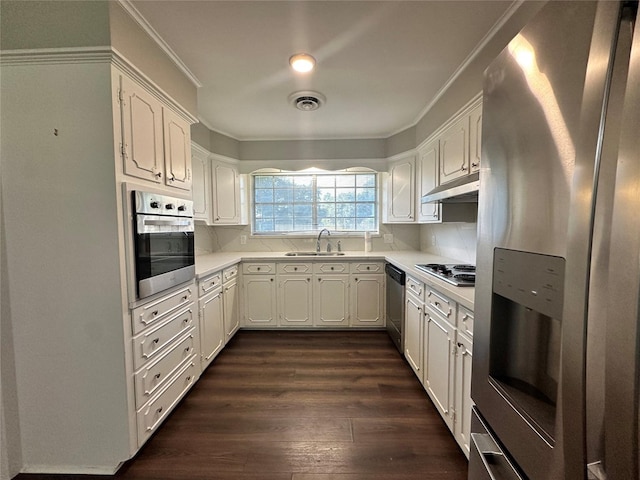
(319, 235)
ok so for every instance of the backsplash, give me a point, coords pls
(227, 239)
(453, 240)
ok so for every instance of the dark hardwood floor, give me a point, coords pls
(307, 405)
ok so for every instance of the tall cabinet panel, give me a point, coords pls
(428, 158)
(401, 191)
(201, 185)
(454, 151)
(177, 151)
(143, 149)
(226, 194)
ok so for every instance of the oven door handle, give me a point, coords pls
(172, 223)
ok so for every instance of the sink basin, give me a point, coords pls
(313, 254)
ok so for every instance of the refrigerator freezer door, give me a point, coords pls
(621, 426)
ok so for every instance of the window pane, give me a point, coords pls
(326, 194)
(345, 194)
(326, 210)
(303, 210)
(303, 195)
(264, 181)
(263, 196)
(345, 210)
(365, 210)
(283, 196)
(281, 181)
(326, 181)
(303, 223)
(264, 211)
(366, 180)
(327, 223)
(365, 224)
(264, 225)
(346, 181)
(303, 181)
(365, 194)
(345, 224)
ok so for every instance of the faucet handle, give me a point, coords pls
(339, 246)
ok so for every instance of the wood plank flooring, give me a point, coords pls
(307, 405)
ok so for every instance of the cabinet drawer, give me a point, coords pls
(253, 268)
(149, 344)
(295, 267)
(465, 320)
(209, 283)
(155, 374)
(330, 267)
(154, 412)
(367, 267)
(415, 287)
(154, 312)
(230, 273)
(441, 304)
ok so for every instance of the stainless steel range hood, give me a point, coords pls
(460, 190)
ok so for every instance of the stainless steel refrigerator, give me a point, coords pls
(556, 359)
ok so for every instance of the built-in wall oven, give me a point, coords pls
(163, 242)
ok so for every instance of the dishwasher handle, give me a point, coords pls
(395, 273)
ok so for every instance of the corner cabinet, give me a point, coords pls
(219, 194)
(156, 139)
(400, 191)
(427, 180)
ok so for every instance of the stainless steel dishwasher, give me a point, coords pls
(395, 305)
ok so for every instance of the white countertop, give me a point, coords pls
(403, 259)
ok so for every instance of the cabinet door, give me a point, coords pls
(462, 393)
(401, 191)
(475, 137)
(331, 300)
(142, 149)
(294, 300)
(413, 335)
(177, 151)
(212, 334)
(438, 364)
(454, 151)
(260, 301)
(231, 309)
(226, 194)
(201, 187)
(367, 300)
(428, 158)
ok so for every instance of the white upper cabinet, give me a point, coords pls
(226, 194)
(428, 158)
(454, 151)
(177, 151)
(201, 187)
(142, 149)
(475, 137)
(156, 141)
(401, 191)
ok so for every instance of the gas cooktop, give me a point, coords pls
(459, 275)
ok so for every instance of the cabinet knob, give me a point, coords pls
(475, 164)
(331, 268)
(295, 269)
(159, 175)
(157, 375)
(271, 279)
(258, 268)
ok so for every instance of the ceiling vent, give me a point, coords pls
(307, 101)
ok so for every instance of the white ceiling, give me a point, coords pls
(380, 64)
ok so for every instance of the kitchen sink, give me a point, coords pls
(313, 254)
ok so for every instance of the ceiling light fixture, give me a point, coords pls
(302, 62)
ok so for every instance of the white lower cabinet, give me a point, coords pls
(295, 294)
(212, 333)
(462, 389)
(331, 300)
(259, 295)
(439, 353)
(438, 361)
(231, 301)
(367, 300)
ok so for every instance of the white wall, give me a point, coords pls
(453, 240)
(227, 239)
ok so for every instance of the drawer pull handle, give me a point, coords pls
(368, 268)
(155, 341)
(154, 313)
(188, 379)
(295, 269)
(157, 375)
(185, 297)
(159, 410)
(331, 268)
(187, 349)
(258, 268)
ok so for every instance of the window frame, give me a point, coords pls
(314, 232)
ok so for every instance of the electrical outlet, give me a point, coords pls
(388, 238)
(243, 239)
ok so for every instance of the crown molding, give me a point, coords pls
(56, 56)
(155, 36)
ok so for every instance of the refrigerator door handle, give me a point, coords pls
(493, 458)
